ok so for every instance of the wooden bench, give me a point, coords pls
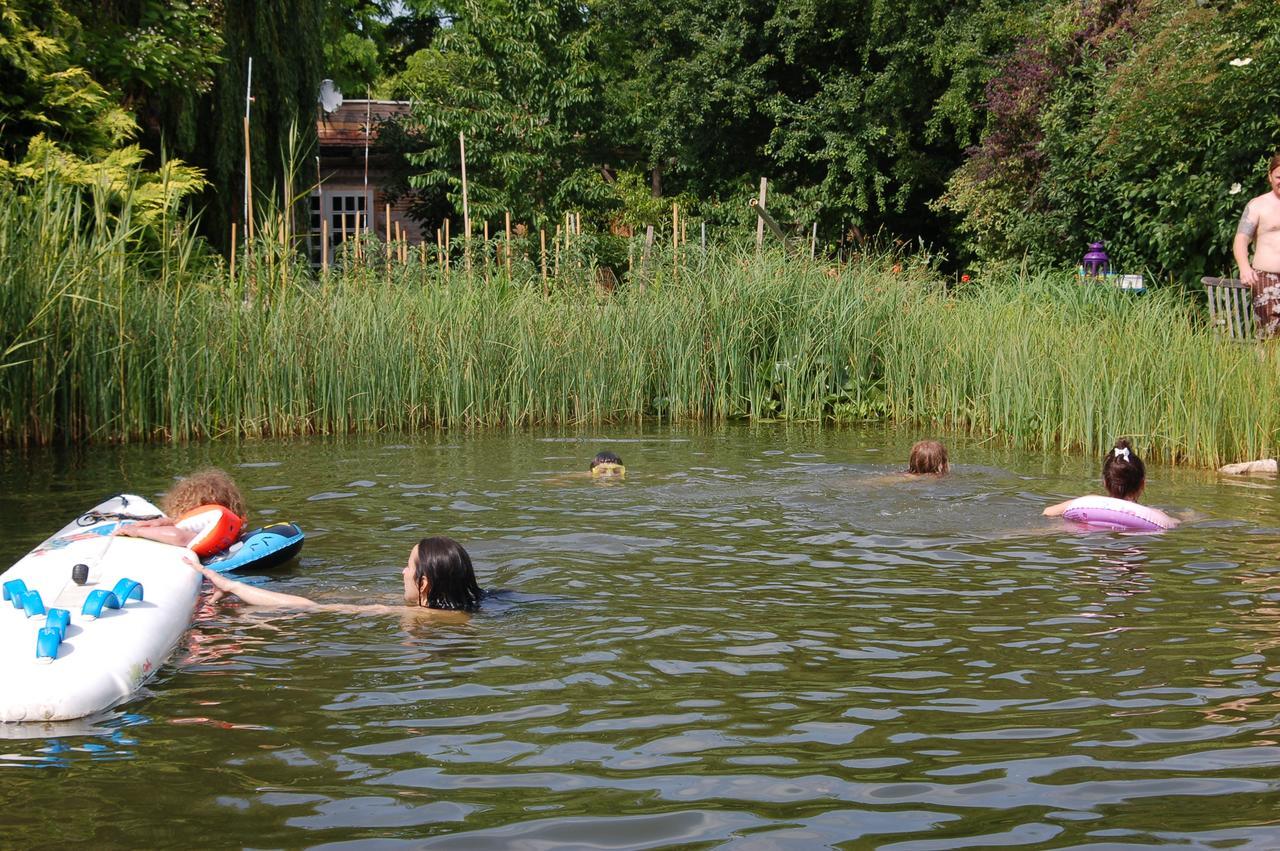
(1231, 307)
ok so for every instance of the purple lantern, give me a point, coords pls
(1096, 263)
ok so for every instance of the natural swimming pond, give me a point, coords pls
(755, 641)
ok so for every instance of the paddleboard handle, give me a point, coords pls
(58, 619)
(127, 589)
(32, 604)
(14, 591)
(80, 573)
(47, 641)
(96, 601)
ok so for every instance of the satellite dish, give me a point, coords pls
(330, 98)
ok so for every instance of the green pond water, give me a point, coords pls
(756, 641)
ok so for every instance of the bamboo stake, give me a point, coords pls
(486, 246)
(764, 188)
(233, 252)
(556, 268)
(324, 245)
(248, 183)
(675, 241)
(542, 237)
(466, 209)
(813, 242)
(248, 203)
(248, 163)
(508, 252)
(286, 216)
(448, 247)
(271, 260)
(439, 250)
(387, 214)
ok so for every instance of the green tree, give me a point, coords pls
(1151, 125)
(284, 38)
(517, 79)
(366, 42)
(44, 93)
(158, 57)
(61, 126)
(858, 111)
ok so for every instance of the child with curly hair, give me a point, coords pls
(204, 512)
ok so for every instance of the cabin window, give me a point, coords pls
(345, 213)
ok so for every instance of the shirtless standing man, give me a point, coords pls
(1260, 225)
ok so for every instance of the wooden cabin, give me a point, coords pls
(348, 193)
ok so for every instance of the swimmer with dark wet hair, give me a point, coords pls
(606, 464)
(438, 579)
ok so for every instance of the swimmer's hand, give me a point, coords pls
(222, 586)
(130, 530)
(1056, 510)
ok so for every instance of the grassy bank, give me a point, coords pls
(110, 333)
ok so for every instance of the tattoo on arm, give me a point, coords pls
(1247, 226)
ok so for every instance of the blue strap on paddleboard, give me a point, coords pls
(32, 604)
(127, 589)
(14, 591)
(58, 619)
(96, 601)
(47, 641)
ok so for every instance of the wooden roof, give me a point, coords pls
(345, 126)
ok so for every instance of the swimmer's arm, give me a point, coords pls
(417, 612)
(1246, 468)
(154, 521)
(164, 533)
(1056, 510)
(252, 595)
(1245, 233)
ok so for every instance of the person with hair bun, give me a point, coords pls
(438, 578)
(1125, 477)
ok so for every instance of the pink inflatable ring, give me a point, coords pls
(1106, 512)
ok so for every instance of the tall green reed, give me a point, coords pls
(115, 332)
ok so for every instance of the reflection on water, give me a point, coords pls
(762, 638)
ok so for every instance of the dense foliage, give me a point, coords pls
(995, 130)
(1145, 122)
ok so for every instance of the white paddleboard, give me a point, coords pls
(99, 661)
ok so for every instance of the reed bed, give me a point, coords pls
(115, 333)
